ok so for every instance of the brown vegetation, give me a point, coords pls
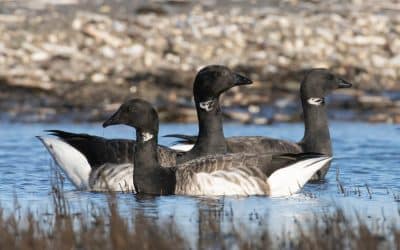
(109, 229)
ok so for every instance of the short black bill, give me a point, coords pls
(344, 84)
(113, 120)
(241, 80)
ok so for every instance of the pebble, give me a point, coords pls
(40, 56)
(98, 77)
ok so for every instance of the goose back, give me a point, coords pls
(98, 150)
(102, 152)
(260, 144)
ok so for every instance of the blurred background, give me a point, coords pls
(76, 60)
(69, 61)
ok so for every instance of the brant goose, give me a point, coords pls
(317, 84)
(83, 156)
(220, 174)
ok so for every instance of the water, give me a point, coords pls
(366, 163)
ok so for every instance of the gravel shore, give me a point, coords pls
(79, 60)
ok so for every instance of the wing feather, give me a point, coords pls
(230, 174)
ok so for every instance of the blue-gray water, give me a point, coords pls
(365, 155)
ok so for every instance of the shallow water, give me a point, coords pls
(366, 163)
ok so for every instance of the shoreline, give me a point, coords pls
(78, 62)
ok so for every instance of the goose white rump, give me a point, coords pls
(109, 177)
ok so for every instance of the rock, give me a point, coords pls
(396, 118)
(151, 9)
(395, 61)
(261, 121)
(254, 109)
(107, 51)
(40, 56)
(369, 101)
(375, 118)
(379, 61)
(282, 118)
(98, 77)
(4, 18)
(135, 51)
(238, 116)
(102, 36)
(60, 50)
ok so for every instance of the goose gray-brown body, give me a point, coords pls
(230, 174)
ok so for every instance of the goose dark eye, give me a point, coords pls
(330, 77)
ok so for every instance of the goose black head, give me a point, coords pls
(319, 83)
(213, 80)
(136, 113)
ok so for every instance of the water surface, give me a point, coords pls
(366, 165)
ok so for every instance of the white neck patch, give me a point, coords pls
(316, 101)
(207, 105)
(147, 136)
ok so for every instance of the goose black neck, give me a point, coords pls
(149, 177)
(211, 138)
(316, 136)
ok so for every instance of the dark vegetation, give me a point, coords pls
(95, 228)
